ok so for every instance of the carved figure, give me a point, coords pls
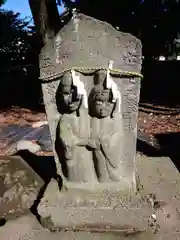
(106, 129)
(74, 129)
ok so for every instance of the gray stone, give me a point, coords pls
(90, 76)
(28, 228)
(80, 208)
(106, 136)
(19, 187)
(159, 180)
(27, 145)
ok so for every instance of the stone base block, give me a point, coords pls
(72, 208)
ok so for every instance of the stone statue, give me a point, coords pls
(90, 75)
(106, 130)
(74, 130)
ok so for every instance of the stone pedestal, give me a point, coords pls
(91, 82)
(155, 176)
(75, 208)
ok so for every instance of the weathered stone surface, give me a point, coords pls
(157, 176)
(28, 228)
(19, 187)
(92, 147)
(91, 104)
(87, 43)
(80, 208)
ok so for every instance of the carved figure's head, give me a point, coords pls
(69, 100)
(102, 97)
(100, 77)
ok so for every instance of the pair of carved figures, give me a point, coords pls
(90, 129)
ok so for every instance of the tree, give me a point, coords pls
(46, 18)
(47, 21)
(14, 39)
(155, 22)
(19, 51)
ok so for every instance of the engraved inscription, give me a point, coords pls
(47, 67)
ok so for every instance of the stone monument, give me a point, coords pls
(90, 76)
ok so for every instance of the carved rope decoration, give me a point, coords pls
(90, 70)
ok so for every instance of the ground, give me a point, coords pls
(21, 116)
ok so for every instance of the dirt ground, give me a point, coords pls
(20, 116)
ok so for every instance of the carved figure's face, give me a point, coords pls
(103, 105)
(102, 97)
(68, 99)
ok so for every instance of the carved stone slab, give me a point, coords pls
(91, 93)
(84, 43)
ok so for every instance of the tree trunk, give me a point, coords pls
(46, 18)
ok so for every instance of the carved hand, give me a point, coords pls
(94, 143)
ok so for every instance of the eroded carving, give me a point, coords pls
(90, 135)
(74, 130)
(95, 145)
(106, 130)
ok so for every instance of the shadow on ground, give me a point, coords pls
(168, 146)
(45, 167)
(147, 149)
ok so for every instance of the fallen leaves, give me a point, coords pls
(20, 116)
(156, 124)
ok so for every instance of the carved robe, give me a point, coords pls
(74, 134)
(108, 156)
